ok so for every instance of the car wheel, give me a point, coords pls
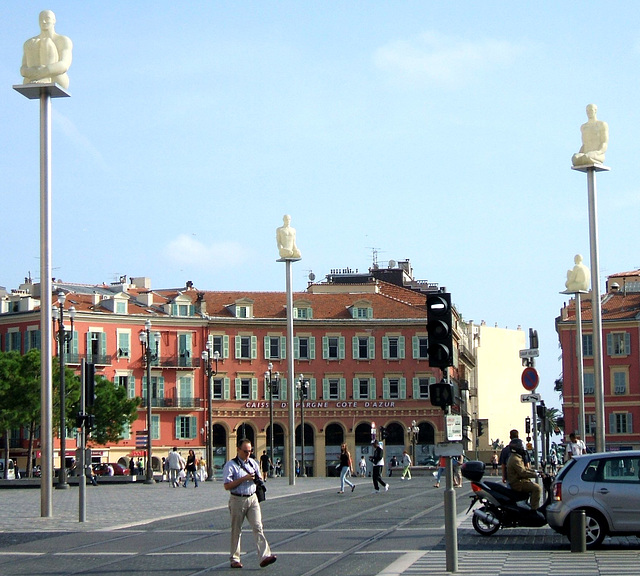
(484, 527)
(596, 528)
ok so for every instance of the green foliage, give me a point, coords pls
(113, 411)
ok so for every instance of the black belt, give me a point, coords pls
(241, 495)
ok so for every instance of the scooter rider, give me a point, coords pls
(519, 476)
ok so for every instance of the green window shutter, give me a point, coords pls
(609, 345)
(267, 348)
(369, 313)
(283, 389)
(385, 347)
(416, 387)
(629, 423)
(325, 348)
(131, 387)
(415, 344)
(312, 347)
(88, 341)
(325, 388)
(341, 345)
(612, 423)
(238, 346)
(174, 311)
(343, 388)
(385, 388)
(296, 348)
(372, 347)
(74, 343)
(254, 388)
(193, 432)
(161, 387)
(354, 347)
(254, 347)
(155, 427)
(372, 388)
(627, 343)
(177, 426)
(192, 309)
(103, 344)
(238, 383)
(401, 353)
(312, 389)
(225, 346)
(309, 313)
(403, 389)
(226, 388)
(283, 347)
(356, 388)
(144, 387)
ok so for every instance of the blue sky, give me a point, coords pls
(439, 132)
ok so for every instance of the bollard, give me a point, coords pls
(578, 531)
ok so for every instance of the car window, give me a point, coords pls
(590, 473)
(621, 469)
(565, 469)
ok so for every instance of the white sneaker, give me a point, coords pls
(401, 477)
(386, 488)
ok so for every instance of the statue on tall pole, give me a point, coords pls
(47, 56)
(595, 139)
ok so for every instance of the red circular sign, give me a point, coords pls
(530, 379)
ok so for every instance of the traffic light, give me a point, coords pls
(441, 394)
(90, 383)
(480, 428)
(439, 330)
(383, 433)
(527, 425)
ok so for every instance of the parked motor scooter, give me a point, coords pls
(501, 507)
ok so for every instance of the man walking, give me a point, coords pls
(378, 465)
(406, 464)
(175, 462)
(240, 476)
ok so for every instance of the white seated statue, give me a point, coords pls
(578, 276)
(47, 56)
(595, 139)
(286, 239)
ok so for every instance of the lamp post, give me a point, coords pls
(63, 338)
(149, 356)
(273, 384)
(414, 431)
(302, 385)
(210, 372)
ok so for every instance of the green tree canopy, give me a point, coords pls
(113, 411)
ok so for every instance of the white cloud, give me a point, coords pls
(186, 251)
(445, 60)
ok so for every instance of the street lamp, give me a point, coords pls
(303, 386)
(63, 338)
(210, 372)
(149, 356)
(273, 384)
(414, 431)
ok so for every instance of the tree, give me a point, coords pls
(30, 399)
(10, 366)
(113, 411)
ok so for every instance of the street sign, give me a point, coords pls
(529, 353)
(530, 379)
(448, 449)
(454, 427)
(530, 397)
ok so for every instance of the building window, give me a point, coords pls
(590, 424)
(333, 389)
(618, 344)
(124, 344)
(121, 307)
(186, 427)
(218, 388)
(394, 388)
(302, 313)
(157, 391)
(32, 340)
(393, 347)
(12, 342)
(589, 382)
(275, 347)
(304, 347)
(361, 312)
(220, 344)
(246, 347)
(364, 388)
(420, 347)
(587, 344)
(364, 347)
(246, 388)
(333, 347)
(421, 386)
(619, 383)
(621, 423)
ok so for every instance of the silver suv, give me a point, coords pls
(606, 486)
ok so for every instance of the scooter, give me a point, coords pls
(500, 507)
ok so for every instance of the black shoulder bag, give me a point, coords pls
(261, 489)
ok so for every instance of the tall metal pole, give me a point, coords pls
(44, 93)
(596, 305)
(302, 388)
(209, 373)
(82, 481)
(145, 339)
(290, 369)
(582, 426)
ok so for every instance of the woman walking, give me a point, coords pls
(190, 469)
(346, 467)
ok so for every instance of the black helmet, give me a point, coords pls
(516, 446)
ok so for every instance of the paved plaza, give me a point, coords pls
(139, 529)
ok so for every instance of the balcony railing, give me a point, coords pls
(178, 362)
(180, 402)
(103, 359)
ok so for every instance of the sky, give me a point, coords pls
(438, 132)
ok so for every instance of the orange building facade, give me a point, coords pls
(360, 346)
